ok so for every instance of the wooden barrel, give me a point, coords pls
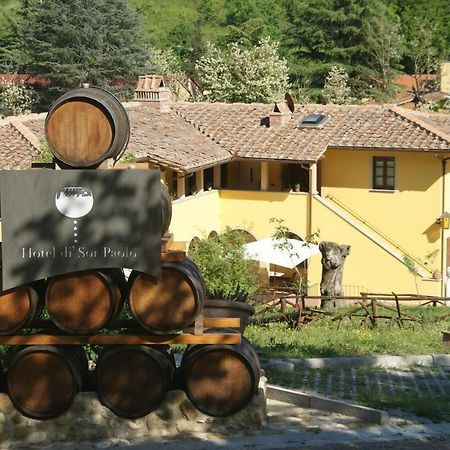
(84, 302)
(166, 210)
(18, 308)
(132, 380)
(168, 304)
(85, 126)
(220, 380)
(42, 380)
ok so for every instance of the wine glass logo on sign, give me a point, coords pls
(74, 202)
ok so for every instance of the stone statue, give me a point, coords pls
(333, 258)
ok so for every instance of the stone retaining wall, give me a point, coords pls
(88, 420)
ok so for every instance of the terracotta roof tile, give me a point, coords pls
(237, 127)
(169, 140)
(440, 121)
(197, 135)
(16, 152)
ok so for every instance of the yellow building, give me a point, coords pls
(373, 177)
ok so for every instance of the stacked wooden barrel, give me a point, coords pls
(83, 128)
(42, 380)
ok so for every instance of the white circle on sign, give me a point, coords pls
(74, 201)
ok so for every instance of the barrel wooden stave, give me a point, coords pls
(84, 302)
(168, 304)
(42, 381)
(220, 380)
(85, 126)
(133, 380)
(19, 307)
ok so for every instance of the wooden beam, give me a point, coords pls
(208, 322)
(121, 339)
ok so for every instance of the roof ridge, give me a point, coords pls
(199, 128)
(425, 125)
(28, 117)
(25, 132)
(184, 102)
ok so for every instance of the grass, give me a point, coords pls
(375, 387)
(322, 338)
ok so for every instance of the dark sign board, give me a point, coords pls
(56, 222)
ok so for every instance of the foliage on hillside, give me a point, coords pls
(370, 39)
(8, 33)
(240, 74)
(74, 41)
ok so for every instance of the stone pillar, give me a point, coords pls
(313, 179)
(181, 188)
(264, 175)
(199, 181)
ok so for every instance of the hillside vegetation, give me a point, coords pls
(367, 42)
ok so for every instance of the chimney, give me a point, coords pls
(280, 115)
(151, 89)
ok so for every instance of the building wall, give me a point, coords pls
(196, 215)
(369, 267)
(252, 211)
(406, 215)
(275, 182)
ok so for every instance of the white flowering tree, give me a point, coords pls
(17, 97)
(336, 89)
(241, 74)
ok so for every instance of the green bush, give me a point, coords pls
(17, 98)
(226, 272)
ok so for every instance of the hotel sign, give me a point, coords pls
(56, 222)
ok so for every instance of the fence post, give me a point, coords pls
(374, 311)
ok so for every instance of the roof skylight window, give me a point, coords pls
(312, 120)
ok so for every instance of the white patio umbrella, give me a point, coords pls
(281, 252)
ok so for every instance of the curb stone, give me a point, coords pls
(278, 364)
(441, 360)
(371, 361)
(312, 401)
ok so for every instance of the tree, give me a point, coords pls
(384, 44)
(336, 88)
(240, 74)
(8, 36)
(344, 33)
(324, 33)
(424, 24)
(74, 41)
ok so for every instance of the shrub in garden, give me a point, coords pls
(226, 272)
(17, 97)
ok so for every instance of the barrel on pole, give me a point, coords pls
(42, 381)
(168, 304)
(85, 126)
(133, 380)
(220, 380)
(84, 302)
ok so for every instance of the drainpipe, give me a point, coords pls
(444, 272)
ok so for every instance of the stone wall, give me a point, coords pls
(88, 421)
